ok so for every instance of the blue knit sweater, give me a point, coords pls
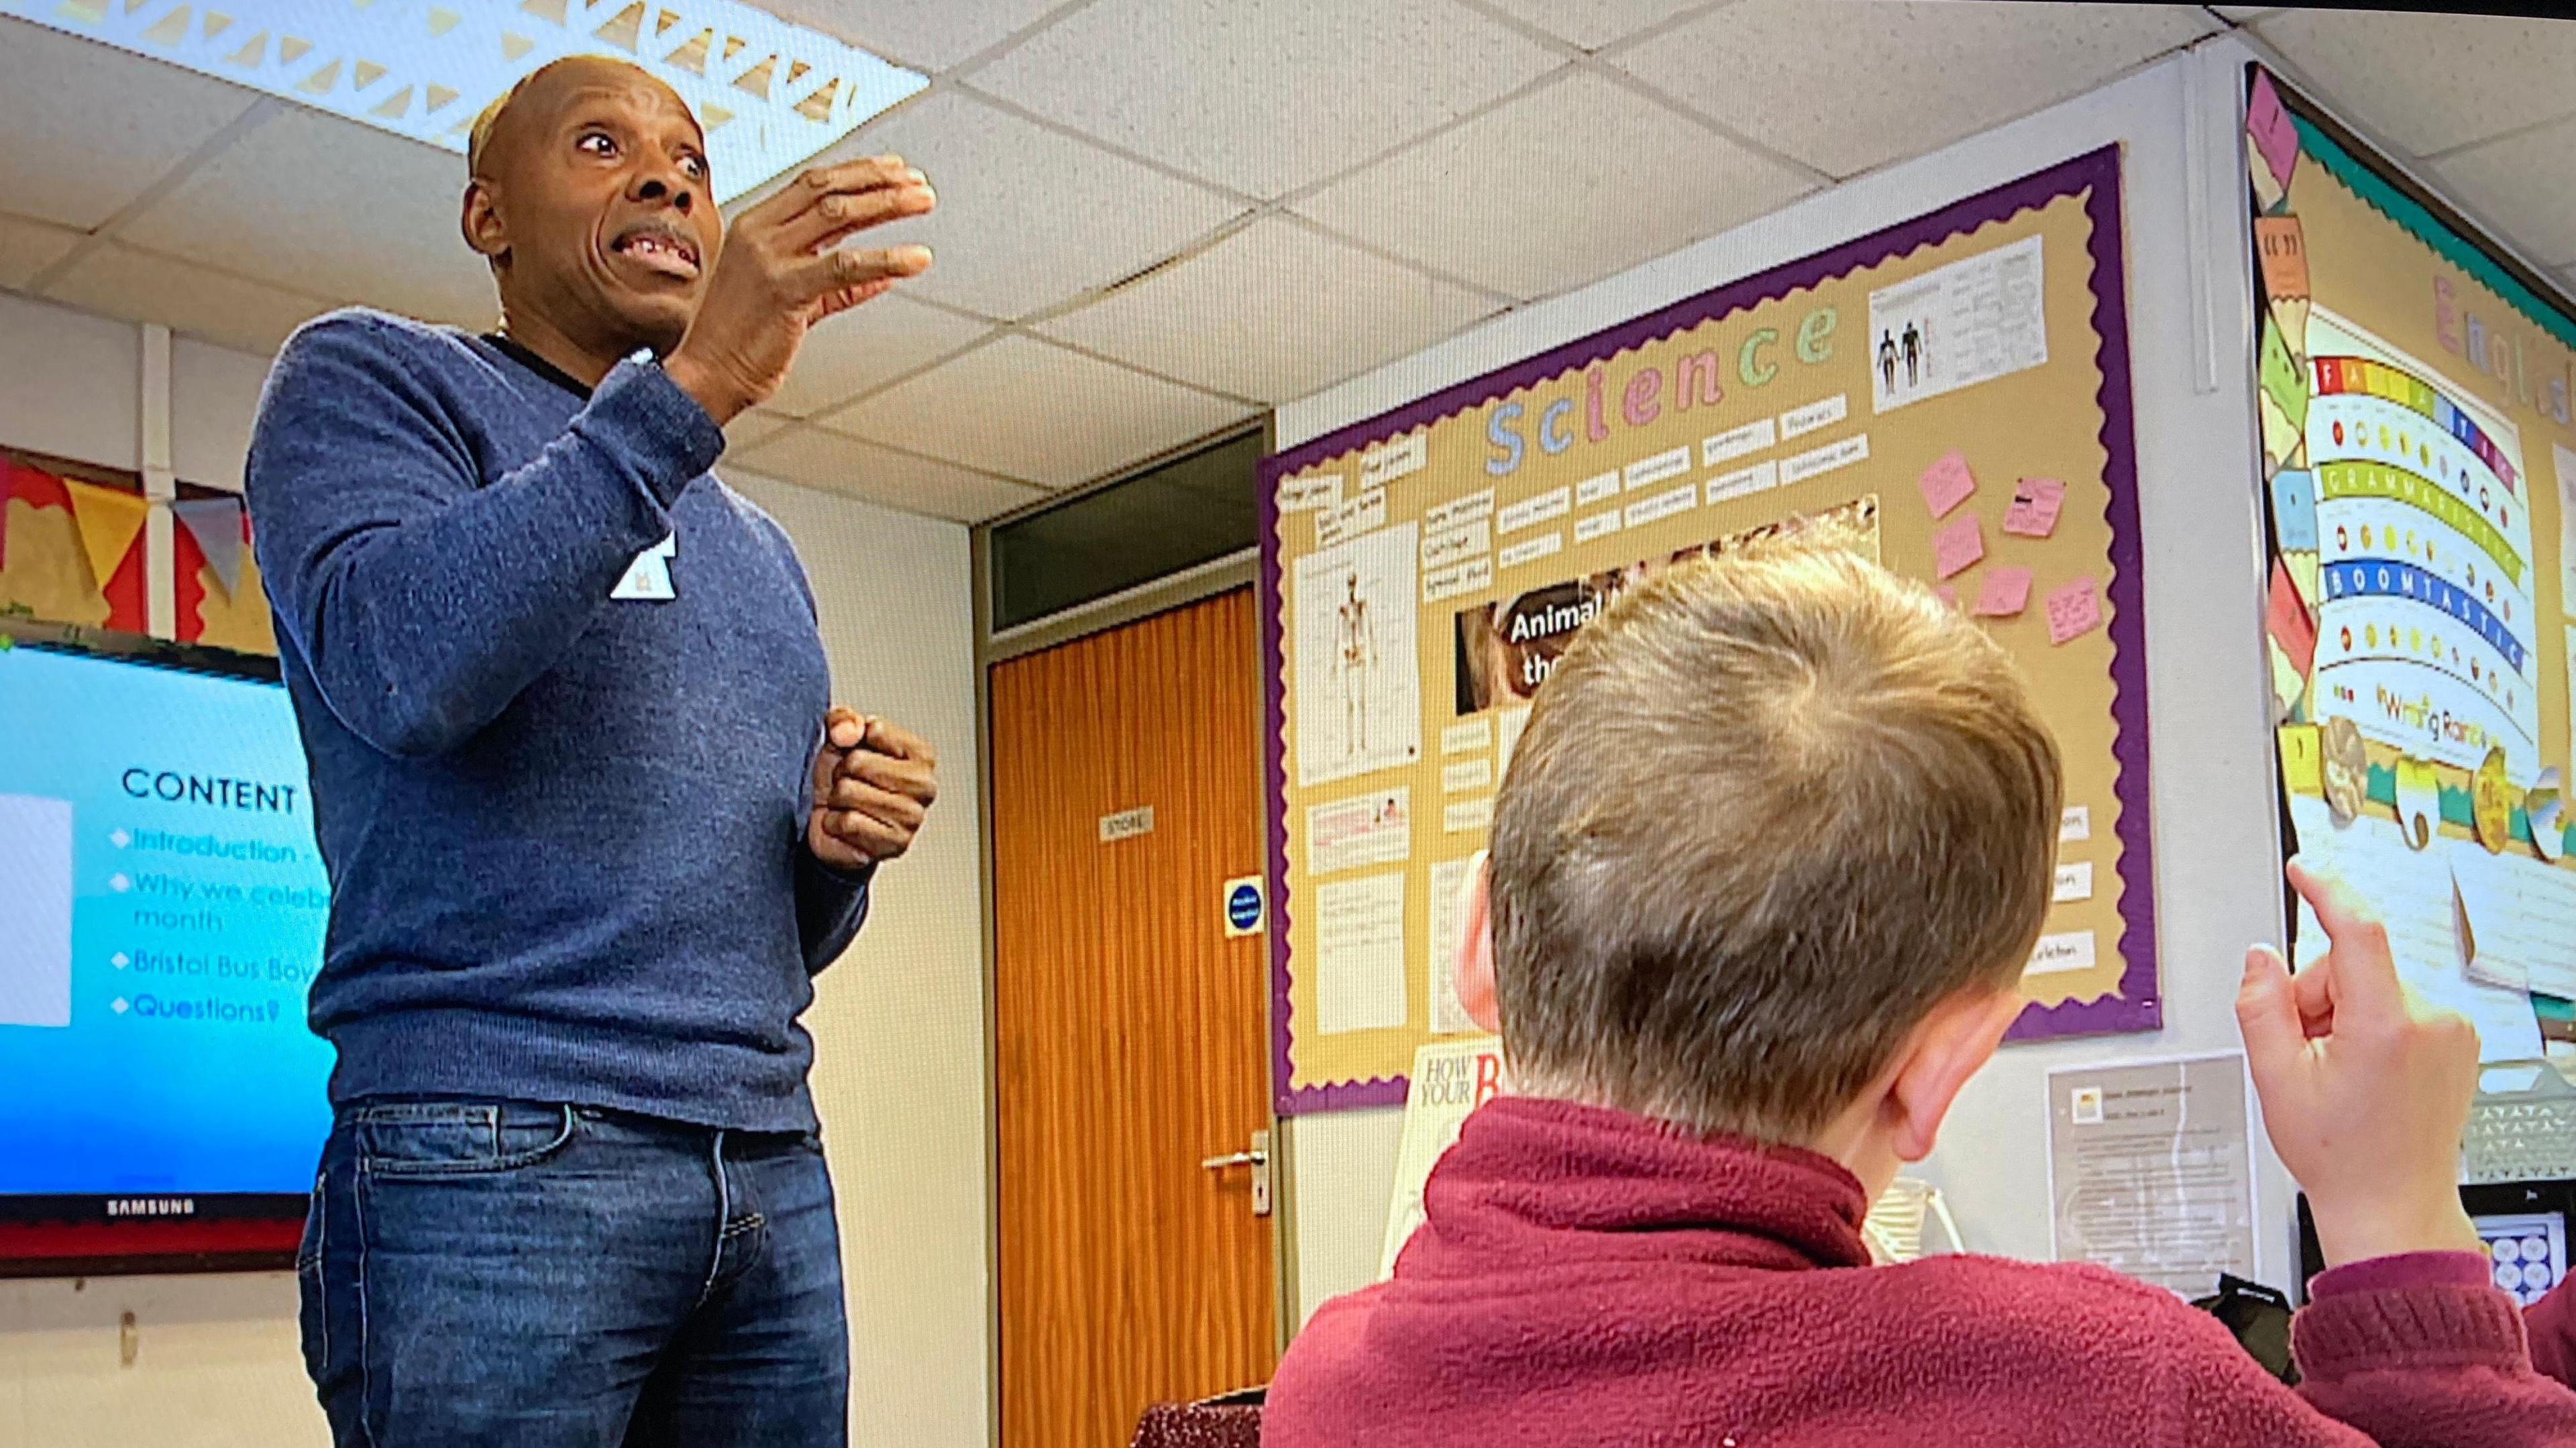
(565, 830)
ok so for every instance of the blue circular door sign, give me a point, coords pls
(1243, 906)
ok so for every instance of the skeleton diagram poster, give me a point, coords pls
(2419, 488)
(1948, 396)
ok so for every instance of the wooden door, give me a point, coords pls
(1130, 1033)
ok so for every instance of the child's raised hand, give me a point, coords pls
(2365, 1086)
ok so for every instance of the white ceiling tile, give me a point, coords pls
(1265, 96)
(871, 344)
(28, 247)
(2427, 82)
(1845, 85)
(2526, 185)
(820, 458)
(926, 34)
(1024, 409)
(1650, 180)
(1593, 24)
(91, 128)
(334, 208)
(1275, 311)
(1028, 217)
(141, 286)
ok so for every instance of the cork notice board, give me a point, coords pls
(1949, 395)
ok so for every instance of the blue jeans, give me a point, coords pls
(496, 1273)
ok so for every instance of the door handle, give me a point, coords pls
(1256, 1157)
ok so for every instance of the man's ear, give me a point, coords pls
(480, 222)
(1473, 970)
(1957, 1039)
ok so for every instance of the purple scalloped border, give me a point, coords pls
(2135, 1005)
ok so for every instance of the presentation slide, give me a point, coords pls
(164, 909)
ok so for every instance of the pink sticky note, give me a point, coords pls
(1957, 546)
(2005, 592)
(2033, 513)
(2073, 609)
(1948, 594)
(2268, 122)
(1947, 483)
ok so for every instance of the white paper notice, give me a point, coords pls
(1663, 505)
(1472, 737)
(2519, 920)
(1646, 472)
(1359, 954)
(2150, 1171)
(1799, 421)
(1310, 494)
(1737, 442)
(1384, 464)
(1555, 504)
(1340, 524)
(2418, 902)
(1460, 816)
(1458, 510)
(1593, 489)
(36, 906)
(1744, 482)
(1818, 461)
(1456, 543)
(1602, 525)
(2074, 882)
(1507, 737)
(1531, 549)
(1456, 579)
(1448, 1014)
(1975, 320)
(2075, 824)
(1368, 829)
(1465, 775)
(1359, 702)
(2072, 950)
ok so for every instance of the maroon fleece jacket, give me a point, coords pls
(1590, 1277)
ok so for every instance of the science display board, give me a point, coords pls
(2420, 496)
(1949, 396)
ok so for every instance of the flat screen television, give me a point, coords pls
(162, 904)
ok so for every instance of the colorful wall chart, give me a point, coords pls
(1949, 396)
(2414, 388)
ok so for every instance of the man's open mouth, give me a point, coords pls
(659, 248)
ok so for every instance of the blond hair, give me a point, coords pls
(1770, 809)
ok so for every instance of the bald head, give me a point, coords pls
(588, 192)
(540, 96)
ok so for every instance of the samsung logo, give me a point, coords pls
(152, 1206)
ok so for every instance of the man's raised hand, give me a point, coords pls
(782, 269)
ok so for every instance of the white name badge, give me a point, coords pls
(649, 576)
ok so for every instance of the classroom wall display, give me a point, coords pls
(2420, 495)
(1948, 396)
(75, 549)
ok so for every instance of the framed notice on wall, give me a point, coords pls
(1949, 396)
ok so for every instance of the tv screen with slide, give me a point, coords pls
(161, 915)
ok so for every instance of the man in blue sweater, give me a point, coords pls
(590, 821)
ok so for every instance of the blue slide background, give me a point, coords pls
(145, 1101)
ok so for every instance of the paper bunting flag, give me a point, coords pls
(109, 519)
(216, 524)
